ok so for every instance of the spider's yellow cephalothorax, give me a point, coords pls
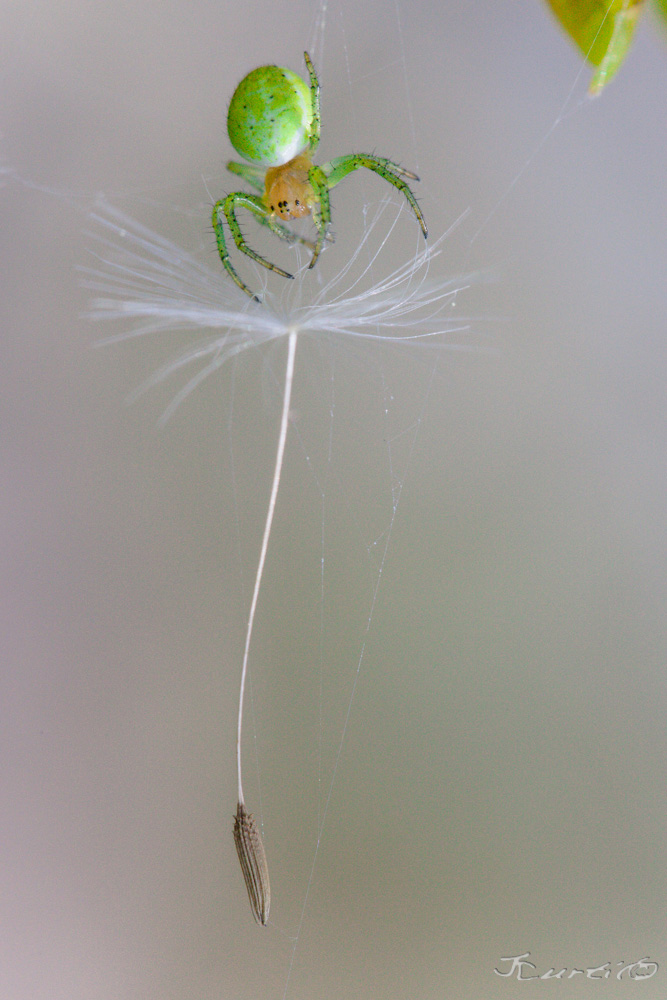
(288, 192)
(274, 123)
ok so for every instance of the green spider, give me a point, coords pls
(274, 123)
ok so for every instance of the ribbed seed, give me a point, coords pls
(250, 849)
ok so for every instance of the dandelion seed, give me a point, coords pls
(154, 286)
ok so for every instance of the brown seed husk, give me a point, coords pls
(250, 849)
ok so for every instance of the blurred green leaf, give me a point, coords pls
(602, 29)
(661, 8)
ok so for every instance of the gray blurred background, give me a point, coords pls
(501, 784)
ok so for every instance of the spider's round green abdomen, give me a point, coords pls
(269, 117)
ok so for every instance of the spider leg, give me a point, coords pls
(284, 232)
(321, 209)
(315, 105)
(227, 207)
(250, 173)
(391, 172)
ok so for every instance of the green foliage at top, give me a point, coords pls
(602, 29)
(661, 9)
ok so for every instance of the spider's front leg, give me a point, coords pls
(389, 171)
(320, 208)
(227, 207)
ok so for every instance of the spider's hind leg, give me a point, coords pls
(249, 172)
(314, 104)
